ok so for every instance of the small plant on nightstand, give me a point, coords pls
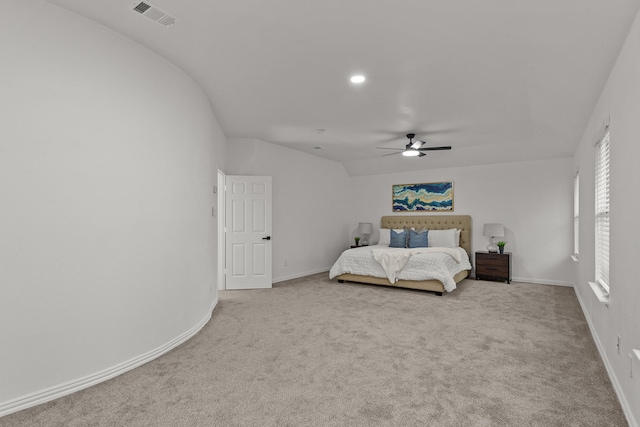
(501, 246)
(357, 240)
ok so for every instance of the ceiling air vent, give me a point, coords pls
(155, 14)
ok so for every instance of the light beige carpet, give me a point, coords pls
(313, 352)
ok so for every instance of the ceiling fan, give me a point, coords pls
(413, 148)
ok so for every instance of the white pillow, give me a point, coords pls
(444, 238)
(385, 235)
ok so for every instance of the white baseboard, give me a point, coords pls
(539, 281)
(299, 275)
(542, 281)
(64, 389)
(612, 376)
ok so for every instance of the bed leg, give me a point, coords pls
(340, 281)
(439, 294)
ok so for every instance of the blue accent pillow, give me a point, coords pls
(418, 239)
(398, 240)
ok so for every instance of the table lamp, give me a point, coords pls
(493, 230)
(365, 228)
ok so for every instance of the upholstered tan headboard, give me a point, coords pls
(433, 222)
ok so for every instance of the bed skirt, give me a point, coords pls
(425, 285)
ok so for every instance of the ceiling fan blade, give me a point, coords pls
(425, 133)
(448, 147)
(421, 155)
(386, 148)
(391, 154)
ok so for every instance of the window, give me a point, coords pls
(602, 212)
(576, 216)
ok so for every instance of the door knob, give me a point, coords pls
(266, 238)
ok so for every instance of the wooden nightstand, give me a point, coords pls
(493, 266)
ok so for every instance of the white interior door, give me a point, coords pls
(248, 232)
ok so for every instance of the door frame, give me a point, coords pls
(222, 234)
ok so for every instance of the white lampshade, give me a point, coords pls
(493, 230)
(365, 228)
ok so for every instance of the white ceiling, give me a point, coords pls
(498, 80)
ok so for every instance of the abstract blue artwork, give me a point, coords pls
(431, 196)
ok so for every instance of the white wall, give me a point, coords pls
(531, 199)
(310, 204)
(107, 163)
(619, 103)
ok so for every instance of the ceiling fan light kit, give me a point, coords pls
(410, 152)
(414, 148)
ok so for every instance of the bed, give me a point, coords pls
(376, 276)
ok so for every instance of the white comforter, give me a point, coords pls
(404, 264)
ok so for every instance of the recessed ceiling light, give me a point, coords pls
(357, 79)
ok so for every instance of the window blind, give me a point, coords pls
(602, 212)
(576, 214)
